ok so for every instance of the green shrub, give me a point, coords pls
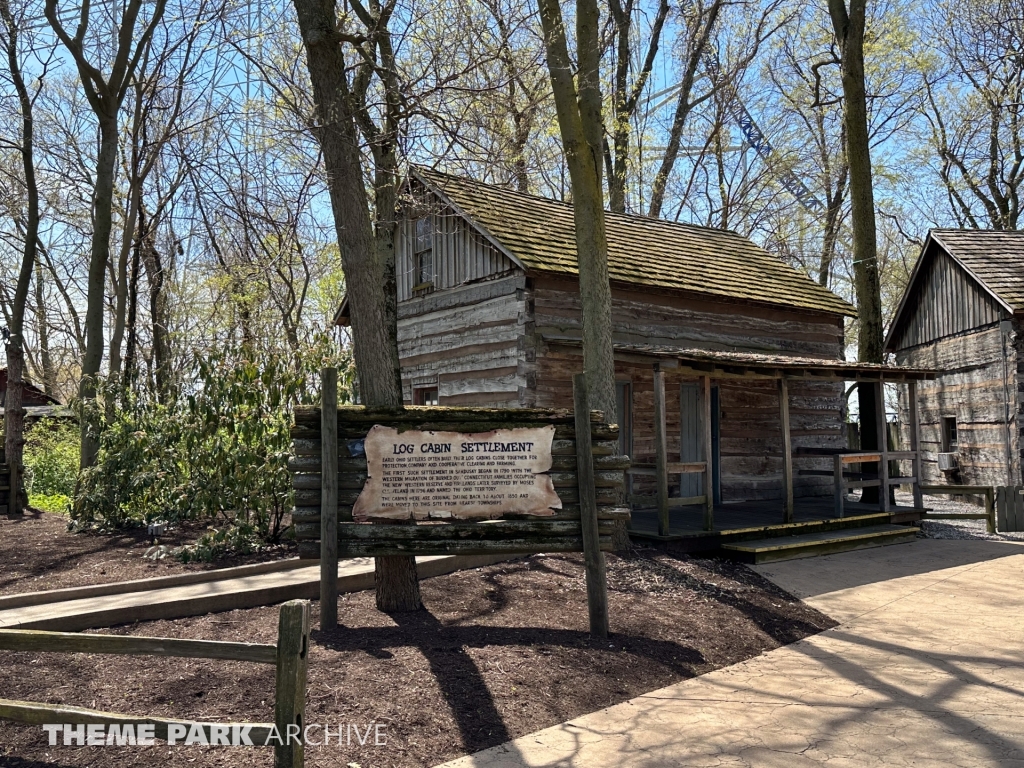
(216, 453)
(51, 457)
(57, 503)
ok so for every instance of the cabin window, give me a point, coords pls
(950, 442)
(423, 251)
(424, 396)
(624, 416)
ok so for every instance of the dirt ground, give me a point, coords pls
(500, 652)
(38, 552)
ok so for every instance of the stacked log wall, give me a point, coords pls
(557, 532)
(750, 428)
(468, 341)
(980, 379)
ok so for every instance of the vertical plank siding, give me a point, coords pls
(946, 301)
(461, 254)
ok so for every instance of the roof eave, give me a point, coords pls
(1008, 307)
(471, 220)
(849, 311)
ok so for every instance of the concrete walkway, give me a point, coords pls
(926, 669)
(211, 596)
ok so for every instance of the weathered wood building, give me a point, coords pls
(963, 315)
(746, 350)
(32, 395)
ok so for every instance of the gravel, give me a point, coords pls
(955, 529)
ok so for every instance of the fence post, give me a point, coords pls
(290, 696)
(990, 508)
(597, 582)
(329, 499)
(660, 452)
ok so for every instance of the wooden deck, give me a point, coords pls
(751, 516)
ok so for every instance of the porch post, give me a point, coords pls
(914, 417)
(709, 489)
(661, 450)
(883, 445)
(787, 452)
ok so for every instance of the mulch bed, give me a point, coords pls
(500, 652)
(38, 552)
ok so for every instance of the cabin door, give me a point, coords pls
(691, 442)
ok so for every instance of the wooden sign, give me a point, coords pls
(423, 474)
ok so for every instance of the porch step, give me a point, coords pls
(820, 543)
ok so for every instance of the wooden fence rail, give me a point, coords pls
(988, 491)
(289, 656)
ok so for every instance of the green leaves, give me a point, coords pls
(217, 453)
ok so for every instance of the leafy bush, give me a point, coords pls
(217, 452)
(57, 503)
(51, 458)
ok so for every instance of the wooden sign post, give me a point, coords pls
(597, 581)
(329, 500)
(429, 480)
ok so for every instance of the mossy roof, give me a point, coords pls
(540, 234)
(995, 258)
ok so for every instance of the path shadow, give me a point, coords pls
(460, 680)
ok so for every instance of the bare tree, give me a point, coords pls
(14, 333)
(625, 95)
(105, 94)
(975, 108)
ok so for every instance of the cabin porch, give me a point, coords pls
(688, 521)
(853, 487)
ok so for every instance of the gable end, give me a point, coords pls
(943, 299)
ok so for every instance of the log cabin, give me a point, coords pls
(727, 359)
(962, 314)
(32, 396)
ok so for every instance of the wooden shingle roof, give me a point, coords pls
(539, 234)
(994, 258)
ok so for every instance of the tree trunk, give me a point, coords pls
(121, 289)
(581, 128)
(153, 264)
(849, 30)
(14, 414)
(370, 289)
(43, 332)
(833, 223)
(131, 345)
(102, 200)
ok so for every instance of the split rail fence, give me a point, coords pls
(289, 656)
(988, 491)
(588, 475)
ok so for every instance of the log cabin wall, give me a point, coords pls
(469, 343)
(981, 377)
(1017, 393)
(463, 332)
(750, 443)
(951, 320)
